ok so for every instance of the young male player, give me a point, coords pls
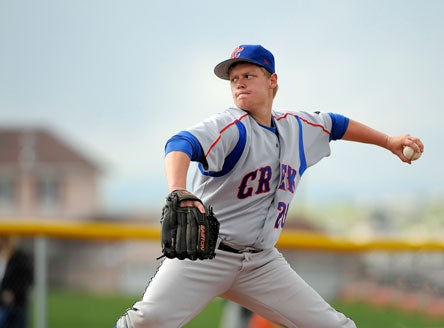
(251, 159)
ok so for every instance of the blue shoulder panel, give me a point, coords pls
(187, 143)
(339, 126)
(302, 158)
(233, 157)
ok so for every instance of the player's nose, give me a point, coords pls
(240, 84)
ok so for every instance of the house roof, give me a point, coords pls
(20, 146)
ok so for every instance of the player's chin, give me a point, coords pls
(244, 105)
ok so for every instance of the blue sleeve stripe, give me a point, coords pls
(187, 143)
(339, 126)
(302, 158)
(233, 156)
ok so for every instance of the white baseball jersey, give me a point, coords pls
(254, 171)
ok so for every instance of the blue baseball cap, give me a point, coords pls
(255, 54)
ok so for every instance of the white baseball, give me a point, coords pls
(410, 153)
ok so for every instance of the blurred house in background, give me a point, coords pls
(44, 177)
(41, 176)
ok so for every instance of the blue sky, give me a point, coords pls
(117, 78)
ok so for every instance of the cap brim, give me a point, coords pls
(222, 69)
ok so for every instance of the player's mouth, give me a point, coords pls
(242, 94)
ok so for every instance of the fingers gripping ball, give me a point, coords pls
(410, 153)
(186, 232)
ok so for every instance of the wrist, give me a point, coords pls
(176, 187)
(386, 143)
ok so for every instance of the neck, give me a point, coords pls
(264, 119)
(261, 114)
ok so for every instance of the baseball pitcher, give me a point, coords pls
(218, 238)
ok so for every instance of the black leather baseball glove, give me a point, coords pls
(186, 232)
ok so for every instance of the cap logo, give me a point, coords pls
(236, 52)
(254, 54)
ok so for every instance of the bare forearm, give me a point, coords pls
(177, 164)
(176, 169)
(362, 133)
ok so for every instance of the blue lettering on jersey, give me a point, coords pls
(262, 185)
(282, 215)
(258, 181)
(288, 178)
(243, 191)
(264, 180)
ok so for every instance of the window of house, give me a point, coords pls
(6, 192)
(48, 191)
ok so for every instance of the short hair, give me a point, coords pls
(268, 74)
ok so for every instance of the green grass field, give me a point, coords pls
(69, 309)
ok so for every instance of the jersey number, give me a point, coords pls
(282, 216)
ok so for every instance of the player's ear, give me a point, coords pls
(273, 80)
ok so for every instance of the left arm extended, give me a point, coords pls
(359, 132)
